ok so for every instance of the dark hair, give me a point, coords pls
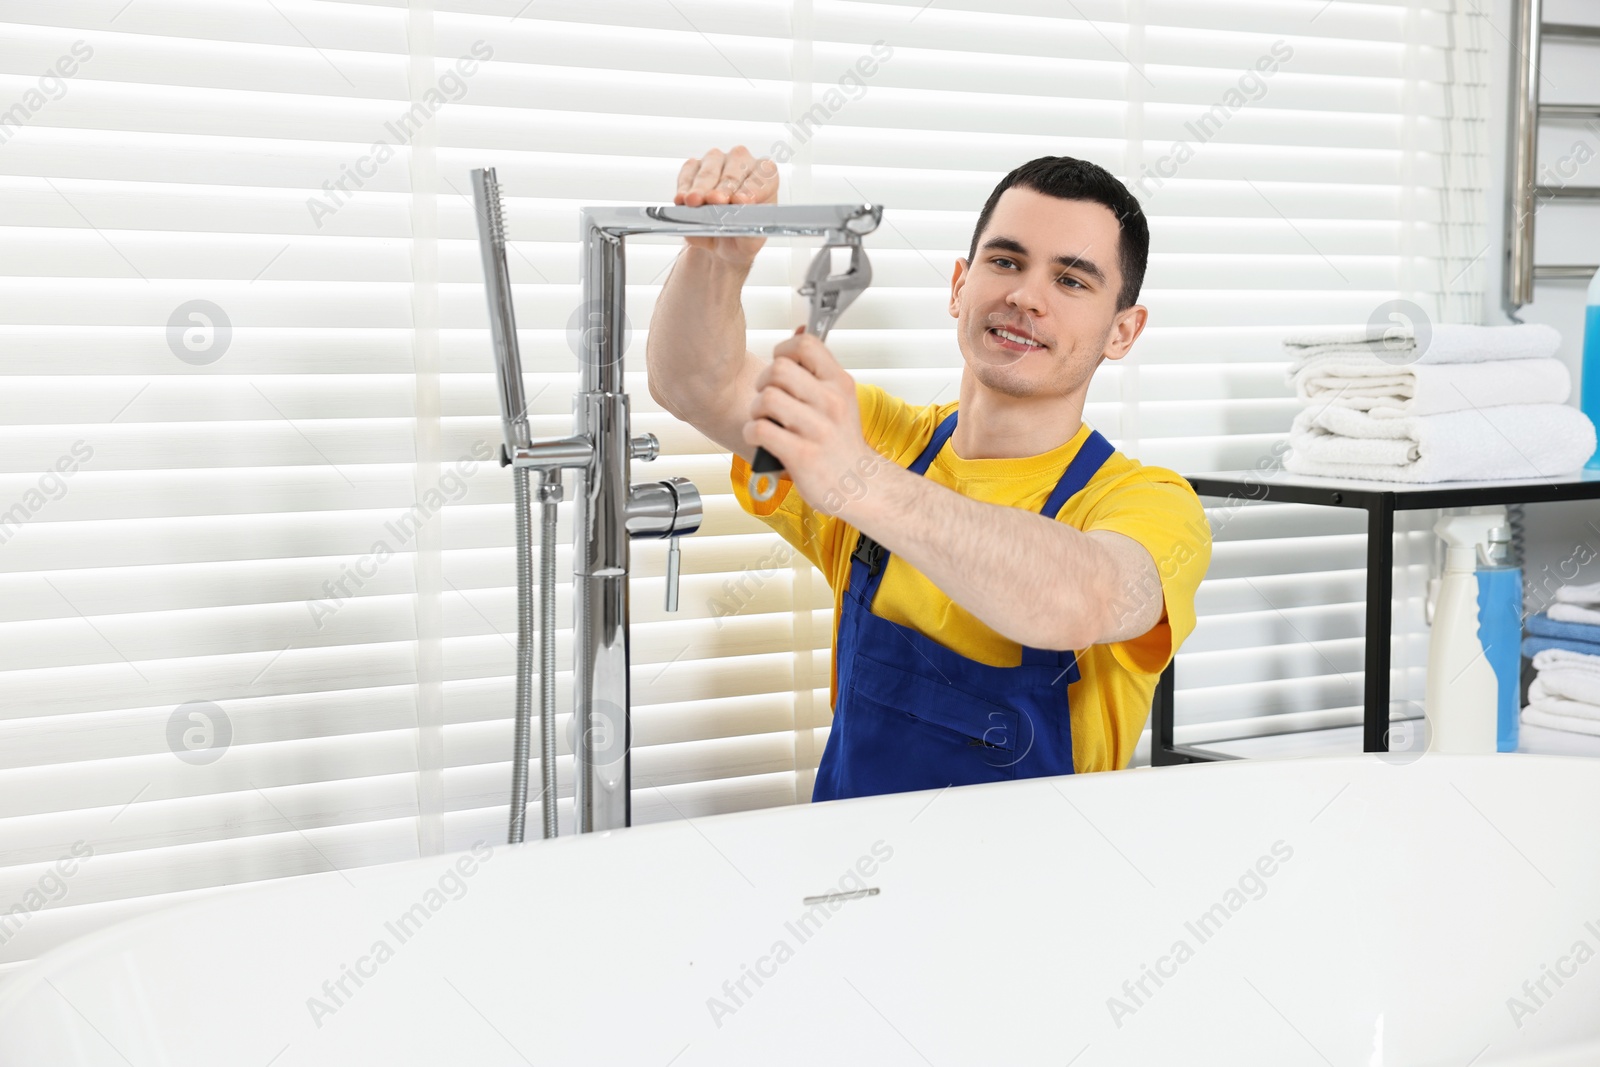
(1077, 179)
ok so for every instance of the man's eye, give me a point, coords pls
(1069, 278)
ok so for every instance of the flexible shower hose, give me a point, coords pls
(549, 494)
(522, 516)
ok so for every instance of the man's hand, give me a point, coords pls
(735, 177)
(805, 413)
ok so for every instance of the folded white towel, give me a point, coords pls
(1573, 613)
(1572, 709)
(1447, 343)
(1538, 715)
(1562, 659)
(1321, 435)
(1580, 686)
(1579, 594)
(1367, 383)
(1512, 441)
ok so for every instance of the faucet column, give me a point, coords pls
(600, 548)
(600, 594)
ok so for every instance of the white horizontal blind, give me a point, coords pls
(210, 420)
(297, 531)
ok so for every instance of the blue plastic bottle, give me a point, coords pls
(1589, 387)
(1500, 630)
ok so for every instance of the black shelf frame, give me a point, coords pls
(1380, 502)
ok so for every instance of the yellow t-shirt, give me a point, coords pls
(1154, 506)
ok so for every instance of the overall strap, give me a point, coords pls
(1092, 455)
(941, 434)
(1090, 458)
(869, 559)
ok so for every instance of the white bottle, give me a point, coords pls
(1462, 691)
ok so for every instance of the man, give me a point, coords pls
(1007, 587)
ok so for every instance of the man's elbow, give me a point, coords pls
(1073, 629)
(1082, 631)
(661, 398)
(1105, 620)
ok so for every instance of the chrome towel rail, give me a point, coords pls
(1523, 193)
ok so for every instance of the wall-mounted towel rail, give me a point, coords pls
(1523, 193)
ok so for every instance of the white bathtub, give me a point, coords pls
(1360, 913)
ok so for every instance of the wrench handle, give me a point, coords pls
(765, 468)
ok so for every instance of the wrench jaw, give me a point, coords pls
(829, 294)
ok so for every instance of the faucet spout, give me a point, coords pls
(839, 223)
(604, 266)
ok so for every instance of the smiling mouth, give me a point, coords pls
(1013, 342)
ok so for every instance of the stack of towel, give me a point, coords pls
(1476, 402)
(1564, 644)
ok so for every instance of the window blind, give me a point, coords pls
(211, 410)
(259, 613)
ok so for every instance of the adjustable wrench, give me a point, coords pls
(829, 294)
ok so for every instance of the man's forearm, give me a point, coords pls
(1032, 579)
(696, 346)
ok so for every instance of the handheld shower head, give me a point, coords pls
(502, 315)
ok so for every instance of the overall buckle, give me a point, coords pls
(870, 554)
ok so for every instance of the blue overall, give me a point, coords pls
(912, 714)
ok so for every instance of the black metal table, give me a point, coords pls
(1380, 500)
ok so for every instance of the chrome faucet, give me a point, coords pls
(609, 511)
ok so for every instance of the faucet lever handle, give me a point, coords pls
(674, 562)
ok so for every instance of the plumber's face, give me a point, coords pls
(1017, 282)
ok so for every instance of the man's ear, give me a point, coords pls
(1125, 329)
(957, 279)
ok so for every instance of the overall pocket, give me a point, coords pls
(908, 731)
